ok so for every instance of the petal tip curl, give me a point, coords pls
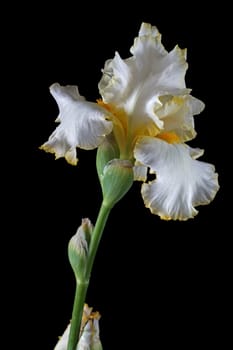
(69, 155)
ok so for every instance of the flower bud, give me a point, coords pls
(78, 249)
(89, 333)
(116, 181)
(107, 151)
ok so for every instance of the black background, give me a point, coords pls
(156, 283)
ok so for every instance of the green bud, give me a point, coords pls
(107, 151)
(116, 180)
(78, 249)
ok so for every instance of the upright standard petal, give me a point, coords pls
(136, 83)
(82, 124)
(181, 183)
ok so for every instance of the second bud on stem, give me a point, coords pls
(115, 174)
(78, 249)
(116, 180)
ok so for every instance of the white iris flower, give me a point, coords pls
(146, 106)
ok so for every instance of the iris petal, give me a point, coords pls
(139, 83)
(181, 183)
(82, 124)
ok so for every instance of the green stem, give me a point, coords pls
(79, 299)
(96, 236)
(81, 286)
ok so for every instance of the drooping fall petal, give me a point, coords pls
(181, 183)
(82, 124)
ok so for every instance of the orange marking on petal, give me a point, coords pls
(169, 137)
(117, 112)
